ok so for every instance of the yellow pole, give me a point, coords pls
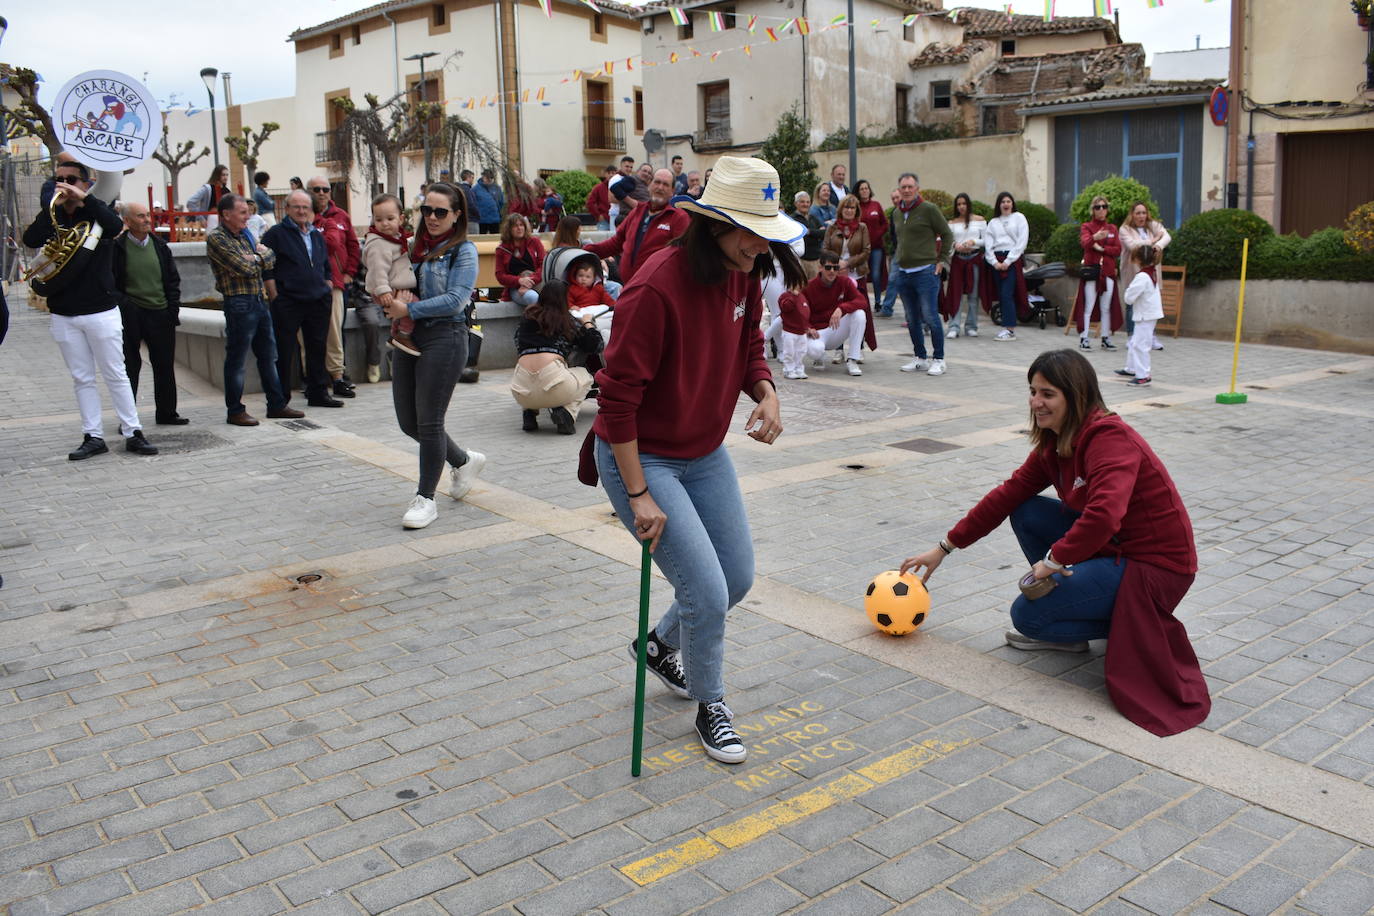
(1231, 397)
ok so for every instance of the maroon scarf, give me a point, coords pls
(902, 206)
(403, 239)
(847, 226)
(427, 246)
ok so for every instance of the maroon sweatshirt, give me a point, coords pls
(795, 313)
(634, 240)
(680, 355)
(842, 295)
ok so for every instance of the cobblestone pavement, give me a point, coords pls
(441, 721)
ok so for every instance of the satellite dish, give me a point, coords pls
(653, 140)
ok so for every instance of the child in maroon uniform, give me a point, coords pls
(799, 339)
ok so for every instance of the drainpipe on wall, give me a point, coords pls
(395, 56)
(1236, 87)
(1250, 165)
(806, 106)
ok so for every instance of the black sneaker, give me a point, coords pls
(90, 445)
(664, 662)
(529, 420)
(716, 728)
(1126, 373)
(1083, 344)
(1107, 344)
(139, 445)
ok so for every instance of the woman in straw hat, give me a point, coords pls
(686, 343)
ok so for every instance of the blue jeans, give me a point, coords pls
(1081, 606)
(422, 386)
(705, 552)
(524, 296)
(248, 324)
(875, 269)
(890, 294)
(1006, 295)
(920, 294)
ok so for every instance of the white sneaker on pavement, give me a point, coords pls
(420, 513)
(916, 365)
(971, 332)
(464, 476)
(852, 367)
(953, 333)
(1006, 334)
(937, 367)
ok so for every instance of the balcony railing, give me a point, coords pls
(603, 134)
(329, 147)
(716, 135)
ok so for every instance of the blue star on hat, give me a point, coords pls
(770, 192)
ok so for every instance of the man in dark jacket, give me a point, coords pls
(299, 287)
(344, 256)
(149, 303)
(85, 319)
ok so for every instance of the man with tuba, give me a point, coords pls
(77, 233)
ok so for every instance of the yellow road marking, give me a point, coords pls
(813, 801)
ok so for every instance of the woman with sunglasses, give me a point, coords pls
(421, 386)
(1097, 292)
(686, 346)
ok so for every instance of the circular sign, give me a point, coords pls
(107, 120)
(1218, 105)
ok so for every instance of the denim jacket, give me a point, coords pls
(445, 283)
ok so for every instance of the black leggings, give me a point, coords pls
(421, 388)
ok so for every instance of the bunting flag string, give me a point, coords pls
(677, 15)
(548, 7)
(1049, 10)
(716, 21)
(752, 24)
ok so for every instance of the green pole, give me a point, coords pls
(642, 661)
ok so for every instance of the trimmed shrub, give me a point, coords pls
(1042, 222)
(573, 187)
(942, 199)
(983, 210)
(1325, 245)
(1321, 256)
(1062, 245)
(1209, 244)
(1120, 193)
(1359, 229)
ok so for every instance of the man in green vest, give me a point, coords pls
(149, 290)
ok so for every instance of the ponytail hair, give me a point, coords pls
(1145, 255)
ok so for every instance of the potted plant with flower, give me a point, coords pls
(1362, 10)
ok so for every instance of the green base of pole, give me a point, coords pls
(1232, 397)
(641, 660)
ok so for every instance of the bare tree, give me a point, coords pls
(176, 160)
(464, 146)
(249, 147)
(374, 137)
(29, 116)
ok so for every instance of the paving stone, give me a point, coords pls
(490, 891)
(1170, 888)
(1087, 882)
(1066, 839)
(183, 864)
(1262, 889)
(736, 868)
(48, 848)
(1202, 810)
(855, 900)
(1227, 850)
(107, 857)
(74, 898)
(1309, 851)
(1051, 801)
(985, 836)
(254, 871)
(1124, 807)
(508, 847)
(357, 834)
(1149, 844)
(410, 883)
(973, 799)
(577, 895)
(916, 872)
(997, 877)
(333, 877)
(1345, 892)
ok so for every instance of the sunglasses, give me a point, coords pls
(324, 190)
(1100, 206)
(830, 267)
(68, 179)
(436, 212)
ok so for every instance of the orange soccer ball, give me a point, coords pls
(895, 603)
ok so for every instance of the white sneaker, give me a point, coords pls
(937, 367)
(953, 333)
(916, 365)
(852, 367)
(971, 332)
(464, 476)
(421, 512)
(1006, 334)
(838, 357)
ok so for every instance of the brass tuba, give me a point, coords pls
(64, 255)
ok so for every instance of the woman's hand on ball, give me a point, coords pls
(649, 519)
(927, 561)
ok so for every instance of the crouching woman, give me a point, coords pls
(1117, 544)
(546, 335)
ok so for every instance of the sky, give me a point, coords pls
(167, 44)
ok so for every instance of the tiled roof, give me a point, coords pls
(370, 12)
(1139, 91)
(981, 23)
(913, 6)
(937, 53)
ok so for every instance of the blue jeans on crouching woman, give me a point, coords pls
(706, 552)
(1081, 606)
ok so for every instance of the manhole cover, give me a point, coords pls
(308, 579)
(186, 441)
(301, 424)
(925, 446)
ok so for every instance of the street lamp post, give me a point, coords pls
(420, 93)
(207, 76)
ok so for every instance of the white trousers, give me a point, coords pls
(849, 333)
(90, 343)
(1138, 348)
(797, 348)
(1103, 308)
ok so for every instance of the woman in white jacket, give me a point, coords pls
(1142, 296)
(1139, 229)
(1004, 244)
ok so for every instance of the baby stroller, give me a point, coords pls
(1038, 305)
(560, 263)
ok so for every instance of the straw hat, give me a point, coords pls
(744, 193)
